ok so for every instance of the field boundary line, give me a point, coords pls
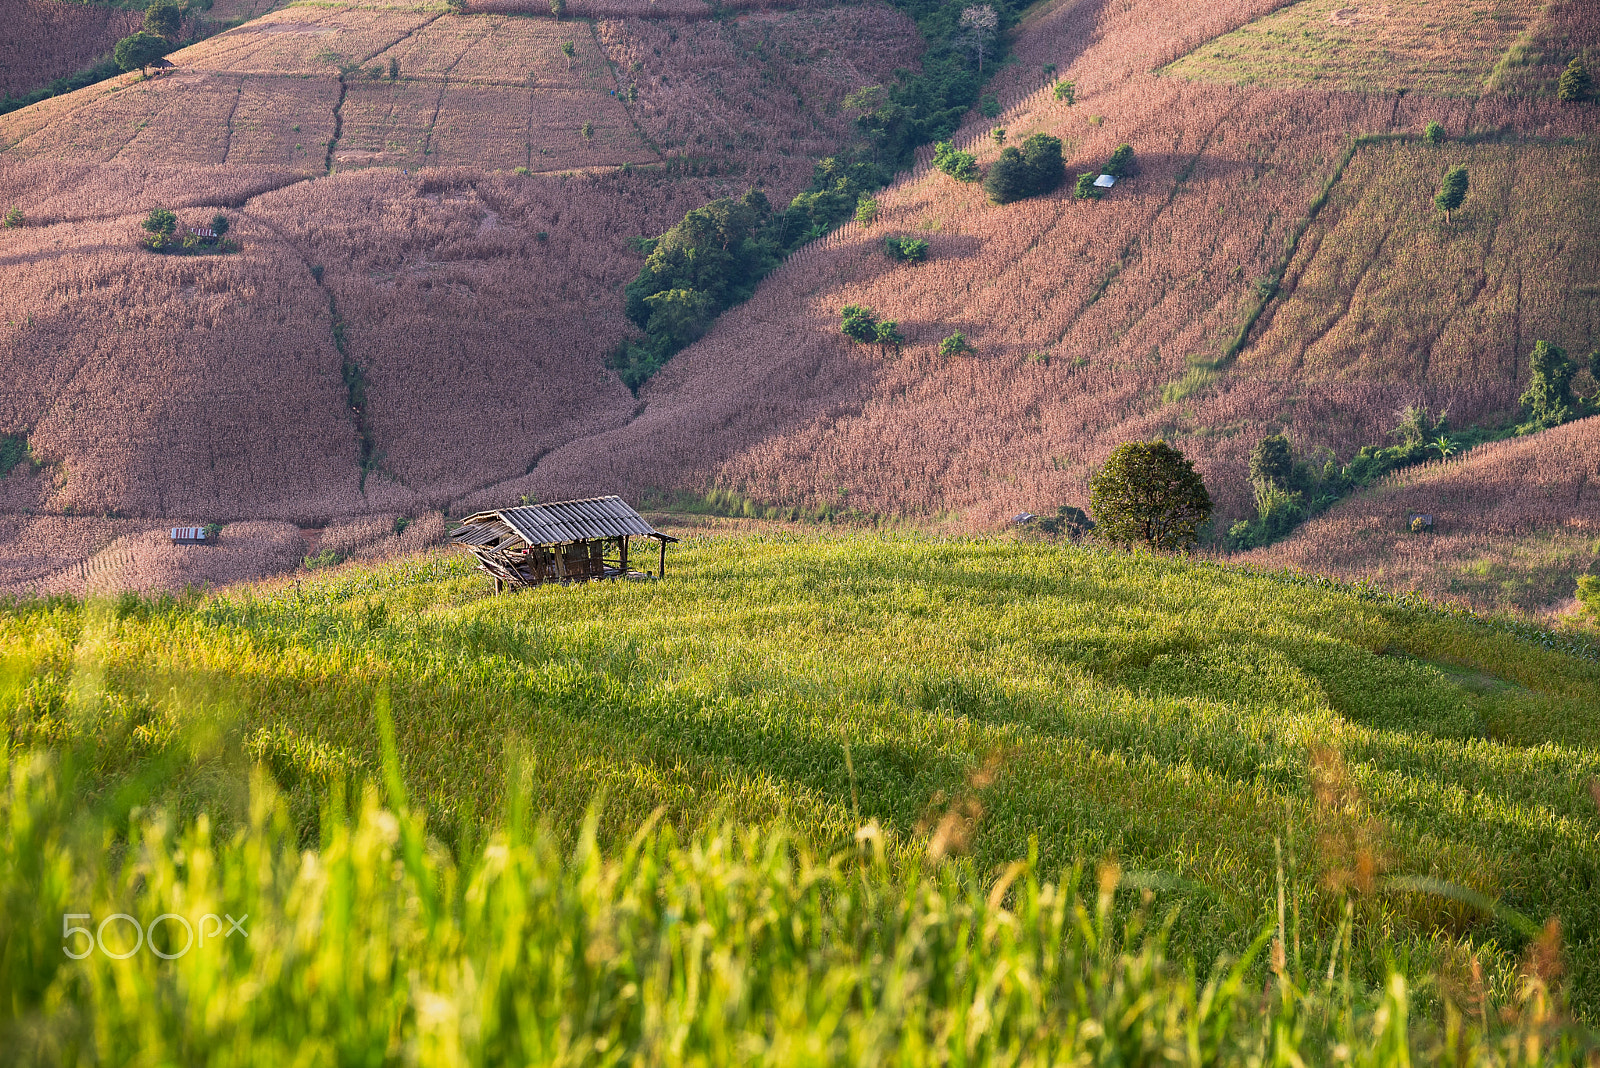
(227, 146)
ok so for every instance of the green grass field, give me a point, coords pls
(1250, 753)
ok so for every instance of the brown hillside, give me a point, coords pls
(46, 39)
(1099, 322)
(475, 306)
(1514, 522)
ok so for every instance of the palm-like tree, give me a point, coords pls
(1444, 446)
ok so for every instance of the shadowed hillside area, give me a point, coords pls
(436, 211)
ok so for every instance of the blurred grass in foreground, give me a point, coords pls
(733, 946)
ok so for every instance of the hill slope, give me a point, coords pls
(969, 697)
(1514, 522)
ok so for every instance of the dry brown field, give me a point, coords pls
(1513, 523)
(45, 40)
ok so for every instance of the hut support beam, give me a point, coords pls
(661, 571)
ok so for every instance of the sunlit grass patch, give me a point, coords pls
(1444, 46)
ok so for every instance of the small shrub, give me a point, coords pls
(13, 219)
(1120, 163)
(159, 225)
(1149, 492)
(587, 129)
(1068, 521)
(1588, 594)
(867, 211)
(1067, 92)
(326, 558)
(394, 68)
(1085, 189)
(859, 323)
(962, 166)
(888, 335)
(989, 107)
(558, 8)
(520, 172)
(1433, 134)
(1576, 85)
(905, 249)
(955, 345)
(219, 223)
(998, 134)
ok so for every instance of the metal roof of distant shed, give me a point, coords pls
(1105, 181)
(558, 522)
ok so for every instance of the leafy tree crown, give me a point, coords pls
(1148, 492)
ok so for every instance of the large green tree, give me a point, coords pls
(1149, 493)
(139, 51)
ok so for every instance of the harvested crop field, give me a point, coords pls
(1385, 289)
(189, 118)
(45, 40)
(1514, 522)
(306, 40)
(1437, 46)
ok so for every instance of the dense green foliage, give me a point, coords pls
(140, 50)
(1549, 400)
(705, 274)
(13, 453)
(1148, 493)
(1035, 169)
(1085, 189)
(1588, 595)
(1415, 781)
(1433, 134)
(862, 325)
(1576, 84)
(955, 345)
(1067, 92)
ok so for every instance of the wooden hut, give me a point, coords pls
(564, 541)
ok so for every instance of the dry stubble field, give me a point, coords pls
(47, 39)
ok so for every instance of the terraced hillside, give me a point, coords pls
(381, 342)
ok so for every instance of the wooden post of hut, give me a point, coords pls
(564, 541)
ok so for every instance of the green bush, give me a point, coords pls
(1067, 92)
(962, 166)
(1271, 461)
(1548, 400)
(1085, 188)
(903, 249)
(859, 324)
(867, 211)
(1120, 163)
(1575, 85)
(955, 345)
(13, 218)
(163, 19)
(1588, 595)
(1433, 134)
(1148, 492)
(989, 107)
(1033, 170)
(1452, 191)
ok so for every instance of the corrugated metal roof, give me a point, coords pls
(1105, 181)
(559, 522)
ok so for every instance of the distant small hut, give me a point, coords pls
(564, 541)
(1419, 523)
(203, 231)
(1105, 181)
(160, 65)
(188, 535)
